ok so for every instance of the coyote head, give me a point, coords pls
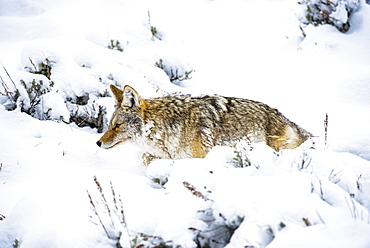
(126, 123)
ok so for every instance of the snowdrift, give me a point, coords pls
(58, 189)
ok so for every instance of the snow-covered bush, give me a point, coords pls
(89, 115)
(115, 45)
(241, 151)
(142, 240)
(32, 102)
(154, 30)
(34, 94)
(44, 68)
(218, 232)
(333, 12)
(175, 74)
(37, 96)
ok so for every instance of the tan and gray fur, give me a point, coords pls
(181, 126)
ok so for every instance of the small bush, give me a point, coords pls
(16, 243)
(115, 45)
(30, 98)
(90, 115)
(160, 181)
(43, 68)
(175, 74)
(219, 231)
(241, 151)
(142, 240)
(153, 30)
(32, 103)
(332, 12)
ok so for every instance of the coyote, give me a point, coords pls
(181, 126)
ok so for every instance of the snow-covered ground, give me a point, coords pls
(252, 49)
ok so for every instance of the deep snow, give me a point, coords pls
(251, 49)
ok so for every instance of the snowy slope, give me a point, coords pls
(252, 49)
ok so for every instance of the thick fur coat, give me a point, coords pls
(181, 126)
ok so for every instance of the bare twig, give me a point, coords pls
(33, 64)
(320, 217)
(7, 73)
(111, 214)
(326, 123)
(12, 96)
(194, 191)
(119, 212)
(306, 222)
(97, 214)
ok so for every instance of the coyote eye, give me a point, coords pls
(117, 126)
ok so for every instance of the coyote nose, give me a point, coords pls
(98, 143)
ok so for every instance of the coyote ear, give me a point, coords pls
(117, 93)
(130, 97)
